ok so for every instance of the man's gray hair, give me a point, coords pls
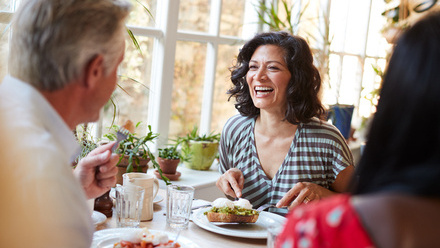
(54, 40)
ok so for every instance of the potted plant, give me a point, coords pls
(341, 116)
(168, 159)
(135, 154)
(199, 151)
(85, 140)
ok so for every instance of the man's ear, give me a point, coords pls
(94, 71)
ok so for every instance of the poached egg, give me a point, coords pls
(222, 202)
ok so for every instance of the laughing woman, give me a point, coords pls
(277, 150)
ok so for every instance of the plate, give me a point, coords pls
(257, 230)
(156, 199)
(98, 218)
(108, 237)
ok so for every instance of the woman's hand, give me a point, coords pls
(305, 192)
(97, 171)
(231, 182)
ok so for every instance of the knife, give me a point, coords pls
(201, 206)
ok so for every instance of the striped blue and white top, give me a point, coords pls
(317, 154)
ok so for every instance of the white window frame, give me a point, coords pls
(166, 35)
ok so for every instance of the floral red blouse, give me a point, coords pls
(331, 222)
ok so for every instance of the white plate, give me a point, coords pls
(156, 199)
(108, 237)
(257, 230)
(98, 218)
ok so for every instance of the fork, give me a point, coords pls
(121, 135)
(175, 240)
(269, 205)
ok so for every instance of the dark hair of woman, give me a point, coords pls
(403, 148)
(303, 101)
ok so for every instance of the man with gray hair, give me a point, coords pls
(63, 64)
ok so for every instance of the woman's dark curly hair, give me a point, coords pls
(303, 101)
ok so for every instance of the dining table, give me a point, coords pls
(200, 237)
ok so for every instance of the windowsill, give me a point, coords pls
(202, 181)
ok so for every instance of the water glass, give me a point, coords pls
(272, 233)
(151, 186)
(179, 201)
(129, 203)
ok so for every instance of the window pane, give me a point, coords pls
(376, 43)
(194, 15)
(357, 23)
(232, 17)
(351, 76)
(338, 20)
(222, 109)
(131, 97)
(310, 22)
(4, 45)
(5, 6)
(187, 95)
(330, 89)
(371, 84)
(139, 16)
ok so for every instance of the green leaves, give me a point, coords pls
(194, 135)
(186, 155)
(136, 148)
(269, 15)
(169, 153)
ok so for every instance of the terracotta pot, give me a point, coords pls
(168, 166)
(122, 168)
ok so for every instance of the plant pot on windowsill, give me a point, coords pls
(138, 166)
(199, 151)
(168, 160)
(169, 168)
(199, 155)
(341, 116)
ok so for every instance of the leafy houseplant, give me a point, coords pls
(169, 153)
(198, 152)
(135, 153)
(169, 159)
(85, 141)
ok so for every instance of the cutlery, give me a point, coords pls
(269, 205)
(121, 135)
(174, 243)
(201, 206)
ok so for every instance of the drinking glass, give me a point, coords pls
(272, 233)
(179, 201)
(129, 203)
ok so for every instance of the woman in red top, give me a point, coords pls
(396, 191)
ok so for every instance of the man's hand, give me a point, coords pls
(231, 182)
(97, 171)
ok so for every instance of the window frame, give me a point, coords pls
(166, 35)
